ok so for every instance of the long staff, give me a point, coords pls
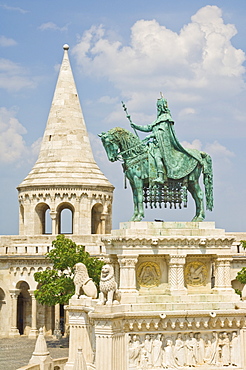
(128, 116)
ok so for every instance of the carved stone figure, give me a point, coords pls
(214, 349)
(135, 351)
(108, 286)
(179, 350)
(200, 351)
(83, 281)
(191, 350)
(169, 355)
(148, 349)
(207, 349)
(224, 343)
(160, 165)
(157, 352)
(235, 350)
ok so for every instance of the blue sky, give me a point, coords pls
(193, 51)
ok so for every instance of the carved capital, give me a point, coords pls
(177, 260)
(127, 261)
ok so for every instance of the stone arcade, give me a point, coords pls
(177, 306)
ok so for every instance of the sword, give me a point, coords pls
(128, 116)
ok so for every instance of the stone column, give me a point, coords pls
(33, 332)
(57, 317)
(128, 278)
(53, 215)
(103, 223)
(111, 343)
(176, 274)
(14, 332)
(223, 274)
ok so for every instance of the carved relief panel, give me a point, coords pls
(183, 350)
(151, 273)
(197, 274)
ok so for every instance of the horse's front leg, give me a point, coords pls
(134, 176)
(139, 189)
(197, 194)
(135, 202)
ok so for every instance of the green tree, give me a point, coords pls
(241, 275)
(56, 285)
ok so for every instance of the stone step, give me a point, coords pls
(191, 298)
(198, 306)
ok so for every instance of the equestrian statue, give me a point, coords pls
(159, 169)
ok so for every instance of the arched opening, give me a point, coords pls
(48, 222)
(41, 225)
(96, 219)
(24, 309)
(65, 213)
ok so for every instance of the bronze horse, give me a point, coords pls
(136, 155)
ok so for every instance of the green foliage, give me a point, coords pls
(243, 243)
(241, 275)
(238, 291)
(56, 285)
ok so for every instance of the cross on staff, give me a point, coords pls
(128, 116)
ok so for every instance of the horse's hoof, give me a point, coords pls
(197, 219)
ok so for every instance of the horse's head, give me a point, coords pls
(110, 146)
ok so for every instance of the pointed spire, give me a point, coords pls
(65, 156)
(41, 354)
(41, 346)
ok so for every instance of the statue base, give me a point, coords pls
(175, 285)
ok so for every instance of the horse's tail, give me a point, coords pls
(208, 180)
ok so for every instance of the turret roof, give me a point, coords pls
(65, 156)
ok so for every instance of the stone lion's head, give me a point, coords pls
(107, 272)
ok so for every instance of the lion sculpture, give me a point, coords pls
(108, 286)
(83, 282)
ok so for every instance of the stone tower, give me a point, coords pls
(65, 175)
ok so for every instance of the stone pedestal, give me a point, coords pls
(171, 314)
(81, 331)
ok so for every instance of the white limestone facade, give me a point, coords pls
(177, 308)
(64, 178)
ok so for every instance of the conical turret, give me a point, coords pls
(65, 174)
(65, 156)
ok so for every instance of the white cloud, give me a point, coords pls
(218, 150)
(14, 9)
(192, 67)
(108, 100)
(52, 26)
(215, 149)
(13, 147)
(196, 144)
(4, 41)
(13, 77)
